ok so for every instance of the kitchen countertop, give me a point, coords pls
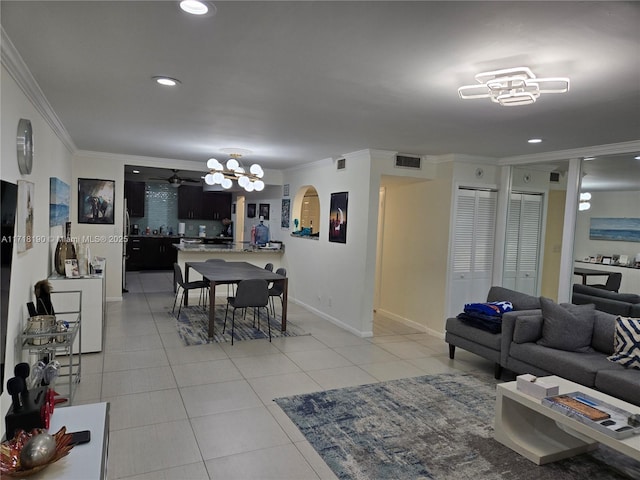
(232, 248)
(177, 237)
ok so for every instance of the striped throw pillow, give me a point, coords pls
(627, 342)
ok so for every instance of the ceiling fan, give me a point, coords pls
(175, 180)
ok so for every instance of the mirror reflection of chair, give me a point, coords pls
(203, 285)
(276, 290)
(269, 266)
(613, 282)
(250, 293)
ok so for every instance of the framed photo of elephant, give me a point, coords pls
(96, 201)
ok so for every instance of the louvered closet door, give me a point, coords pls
(522, 251)
(472, 256)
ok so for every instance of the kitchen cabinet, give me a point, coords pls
(196, 204)
(134, 192)
(151, 253)
(216, 205)
(190, 202)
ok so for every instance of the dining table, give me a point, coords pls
(589, 272)
(224, 273)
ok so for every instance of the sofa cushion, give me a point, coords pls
(528, 329)
(620, 382)
(575, 366)
(627, 344)
(634, 310)
(520, 301)
(604, 332)
(567, 327)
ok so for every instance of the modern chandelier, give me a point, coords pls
(512, 86)
(225, 174)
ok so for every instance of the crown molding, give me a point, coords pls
(17, 68)
(593, 151)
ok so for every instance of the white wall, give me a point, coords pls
(612, 205)
(51, 159)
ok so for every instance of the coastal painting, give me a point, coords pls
(616, 229)
(59, 196)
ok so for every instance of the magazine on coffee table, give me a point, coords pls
(595, 413)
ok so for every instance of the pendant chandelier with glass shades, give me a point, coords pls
(224, 175)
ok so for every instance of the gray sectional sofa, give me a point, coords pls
(626, 304)
(521, 352)
(578, 354)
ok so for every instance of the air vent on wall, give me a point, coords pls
(341, 163)
(408, 162)
(554, 177)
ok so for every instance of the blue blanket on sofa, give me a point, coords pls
(485, 316)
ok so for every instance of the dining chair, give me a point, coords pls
(277, 290)
(269, 266)
(228, 284)
(203, 285)
(613, 282)
(254, 294)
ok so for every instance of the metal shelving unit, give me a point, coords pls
(60, 346)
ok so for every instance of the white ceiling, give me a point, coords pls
(296, 82)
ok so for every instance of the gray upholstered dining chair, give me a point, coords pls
(269, 266)
(250, 293)
(276, 290)
(203, 285)
(613, 282)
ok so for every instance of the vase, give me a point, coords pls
(65, 250)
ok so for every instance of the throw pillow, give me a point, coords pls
(567, 327)
(627, 352)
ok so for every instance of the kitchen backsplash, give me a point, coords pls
(161, 210)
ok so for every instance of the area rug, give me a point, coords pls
(193, 326)
(431, 427)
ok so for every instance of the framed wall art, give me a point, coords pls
(59, 197)
(285, 213)
(264, 211)
(96, 201)
(251, 210)
(338, 217)
(616, 229)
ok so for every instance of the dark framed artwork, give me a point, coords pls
(96, 201)
(285, 214)
(338, 217)
(251, 210)
(264, 211)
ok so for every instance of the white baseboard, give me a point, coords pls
(410, 323)
(331, 319)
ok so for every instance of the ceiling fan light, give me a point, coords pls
(175, 184)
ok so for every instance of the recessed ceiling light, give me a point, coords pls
(535, 140)
(587, 159)
(637, 158)
(136, 171)
(194, 7)
(167, 81)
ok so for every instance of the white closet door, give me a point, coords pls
(473, 242)
(523, 237)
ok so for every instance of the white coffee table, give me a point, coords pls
(544, 435)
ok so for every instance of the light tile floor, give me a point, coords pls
(206, 411)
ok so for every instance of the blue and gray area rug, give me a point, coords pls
(432, 427)
(193, 325)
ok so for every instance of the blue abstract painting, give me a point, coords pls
(618, 229)
(59, 196)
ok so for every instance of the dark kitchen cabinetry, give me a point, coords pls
(134, 193)
(189, 202)
(196, 204)
(216, 206)
(151, 253)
